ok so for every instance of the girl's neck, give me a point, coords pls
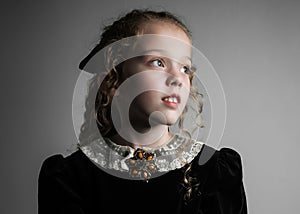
(135, 142)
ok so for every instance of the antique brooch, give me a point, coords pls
(141, 165)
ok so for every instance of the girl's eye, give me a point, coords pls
(157, 63)
(185, 69)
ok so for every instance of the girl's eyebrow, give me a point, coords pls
(147, 52)
(164, 53)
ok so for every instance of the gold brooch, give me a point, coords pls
(141, 165)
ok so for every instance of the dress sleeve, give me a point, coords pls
(222, 188)
(57, 193)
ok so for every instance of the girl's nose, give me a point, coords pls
(174, 77)
(173, 81)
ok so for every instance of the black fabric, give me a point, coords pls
(75, 185)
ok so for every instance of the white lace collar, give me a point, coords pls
(123, 160)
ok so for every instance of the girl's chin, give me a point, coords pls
(168, 121)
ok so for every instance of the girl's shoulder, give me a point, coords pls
(60, 165)
(221, 166)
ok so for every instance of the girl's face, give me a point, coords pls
(171, 84)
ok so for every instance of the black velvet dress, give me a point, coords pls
(75, 185)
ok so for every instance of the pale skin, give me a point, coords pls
(169, 105)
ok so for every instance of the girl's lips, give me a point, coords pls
(172, 101)
(173, 98)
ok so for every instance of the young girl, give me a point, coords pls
(129, 159)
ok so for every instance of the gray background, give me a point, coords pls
(253, 45)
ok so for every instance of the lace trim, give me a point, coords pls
(108, 155)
